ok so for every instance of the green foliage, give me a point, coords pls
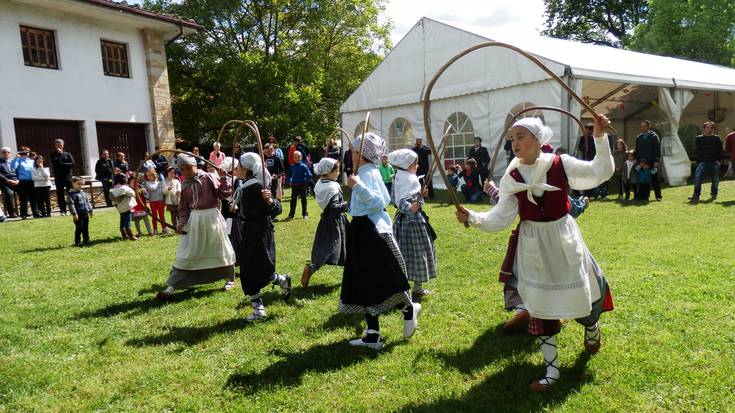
(701, 30)
(605, 22)
(287, 64)
(80, 330)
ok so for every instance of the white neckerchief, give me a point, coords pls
(536, 182)
(324, 191)
(405, 184)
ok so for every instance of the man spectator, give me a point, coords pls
(63, 163)
(730, 149)
(648, 147)
(161, 162)
(23, 167)
(104, 171)
(480, 154)
(8, 182)
(275, 168)
(708, 151)
(424, 154)
(120, 164)
(201, 165)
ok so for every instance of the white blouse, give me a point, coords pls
(581, 175)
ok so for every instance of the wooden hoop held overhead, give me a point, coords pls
(362, 143)
(430, 87)
(515, 117)
(341, 131)
(254, 129)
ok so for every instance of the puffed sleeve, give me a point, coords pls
(590, 174)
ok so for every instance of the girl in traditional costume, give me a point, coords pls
(330, 240)
(257, 251)
(374, 280)
(557, 277)
(411, 228)
(204, 254)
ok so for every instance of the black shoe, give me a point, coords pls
(714, 197)
(693, 198)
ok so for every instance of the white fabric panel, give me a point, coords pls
(481, 70)
(398, 79)
(677, 166)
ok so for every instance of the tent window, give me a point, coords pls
(400, 134)
(460, 141)
(358, 129)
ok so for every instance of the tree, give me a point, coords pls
(604, 22)
(701, 30)
(287, 64)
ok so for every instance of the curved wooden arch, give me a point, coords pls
(430, 87)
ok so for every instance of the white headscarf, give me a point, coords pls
(324, 166)
(185, 160)
(251, 162)
(537, 128)
(402, 158)
(373, 149)
(227, 164)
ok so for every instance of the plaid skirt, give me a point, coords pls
(417, 247)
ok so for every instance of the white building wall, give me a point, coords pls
(79, 90)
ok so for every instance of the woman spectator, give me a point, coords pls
(472, 189)
(42, 187)
(216, 156)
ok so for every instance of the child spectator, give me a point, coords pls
(154, 193)
(124, 199)
(80, 211)
(644, 177)
(453, 177)
(619, 156)
(387, 173)
(330, 240)
(300, 177)
(472, 189)
(630, 175)
(172, 194)
(139, 211)
(42, 187)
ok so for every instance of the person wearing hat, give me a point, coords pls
(256, 253)
(23, 168)
(330, 240)
(374, 279)
(424, 155)
(557, 277)
(204, 254)
(411, 228)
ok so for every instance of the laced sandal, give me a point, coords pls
(422, 292)
(258, 314)
(306, 276)
(286, 290)
(545, 382)
(228, 286)
(592, 344)
(410, 326)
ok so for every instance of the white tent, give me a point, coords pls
(479, 92)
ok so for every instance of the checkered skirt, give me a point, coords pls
(416, 247)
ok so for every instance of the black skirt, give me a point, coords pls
(330, 240)
(374, 279)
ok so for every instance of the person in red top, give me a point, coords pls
(557, 276)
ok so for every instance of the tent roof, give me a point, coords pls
(402, 76)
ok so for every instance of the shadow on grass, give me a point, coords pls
(492, 345)
(293, 366)
(338, 321)
(727, 203)
(190, 336)
(143, 305)
(92, 243)
(313, 291)
(508, 391)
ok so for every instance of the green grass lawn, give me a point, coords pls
(80, 329)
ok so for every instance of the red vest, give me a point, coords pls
(552, 205)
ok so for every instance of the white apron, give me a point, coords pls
(556, 272)
(206, 244)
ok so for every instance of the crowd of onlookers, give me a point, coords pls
(157, 181)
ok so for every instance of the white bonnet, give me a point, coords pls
(402, 158)
(324, 166)
(537, 128)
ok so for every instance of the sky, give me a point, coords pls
(508, 18)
